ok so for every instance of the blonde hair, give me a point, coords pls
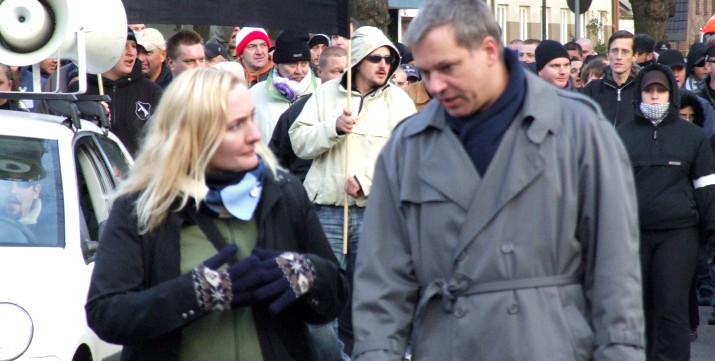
(181, 139)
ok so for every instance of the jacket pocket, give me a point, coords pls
(581, 333)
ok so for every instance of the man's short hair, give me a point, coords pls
(333, 51)
(532, 42)
(621, 34)
(572, 45)
(182, 37)
(472, 21)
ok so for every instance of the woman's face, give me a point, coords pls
(687, 113)
(655, 94)
(237, 151)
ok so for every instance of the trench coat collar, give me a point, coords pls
(516, 164)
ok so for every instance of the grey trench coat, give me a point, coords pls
(537, 260)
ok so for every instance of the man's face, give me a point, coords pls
(374, 74)
(556, 72)
(679, 72)
(18, 198)
(255, 55)
(295, 71)
(573, 54)
(315, 52)
(189, 57)
(48, 66)
(700, 70)
(126, 62)
(232, 42)
(334, 68)
(461, 79)
(576, 73)
(642, 57)
(620, 56)
(400, 78)
(151, 61)
(215, 60)
(586, 50)
(137, 27)
(527, 53)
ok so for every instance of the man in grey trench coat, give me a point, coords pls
(502, 221)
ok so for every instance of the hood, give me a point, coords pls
(364, 41)
(674, 91)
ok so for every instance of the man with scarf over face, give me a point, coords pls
(289, 80)
(326, 128)
(501, 224)
(675, 182)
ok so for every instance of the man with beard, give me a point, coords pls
(321, 133)
(21, 201)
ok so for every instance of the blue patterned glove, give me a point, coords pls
(287, 276)
(223, 289)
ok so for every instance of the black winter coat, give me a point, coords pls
(134, 100)
(616, 101)
(139, 299)
(666, 160)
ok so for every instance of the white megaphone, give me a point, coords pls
(92, 33)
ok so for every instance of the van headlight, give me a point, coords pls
(16, 331)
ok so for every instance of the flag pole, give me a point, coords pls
(347, 151)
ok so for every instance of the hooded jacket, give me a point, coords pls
(673, 166)
(616, 101)
(314, 135)
(133, 100)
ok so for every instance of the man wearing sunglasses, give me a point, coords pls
(327, 131)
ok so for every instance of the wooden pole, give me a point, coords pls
(347, 152)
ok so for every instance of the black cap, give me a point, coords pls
(21, 159)
(130, 34)
(213, 48)
(547, 51)
(696, 55)
(672, 58)
(643, 43)
(291, 47)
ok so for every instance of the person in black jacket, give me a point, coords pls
(133, 97)
(210, 252)
(675, 182)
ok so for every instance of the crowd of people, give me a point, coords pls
(530, 200)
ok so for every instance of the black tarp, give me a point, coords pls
(314, 16)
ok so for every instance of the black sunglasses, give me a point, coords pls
(375, 59)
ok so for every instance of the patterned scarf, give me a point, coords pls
(655, 112)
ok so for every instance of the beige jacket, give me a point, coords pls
(314, 136)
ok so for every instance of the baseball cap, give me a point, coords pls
(151, 39)
(655, 77)
(411, 71)
(672, 58)
(212, 48)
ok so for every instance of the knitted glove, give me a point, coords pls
(222, 289)
(287, 276)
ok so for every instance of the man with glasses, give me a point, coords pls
(614, 93)
(184, 51)
(328, 132)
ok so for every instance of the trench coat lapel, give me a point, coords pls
(443, 162)
(519, 160)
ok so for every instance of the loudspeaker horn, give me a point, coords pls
(92, 33)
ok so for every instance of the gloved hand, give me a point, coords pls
(286, 276)
(222, 289)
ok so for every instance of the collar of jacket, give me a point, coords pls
(539, 119)
(608, 77)
(274, 93)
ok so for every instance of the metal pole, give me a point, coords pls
(577, 10)
(543, 20)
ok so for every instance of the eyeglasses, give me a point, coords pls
(616, 51)
(375, 59)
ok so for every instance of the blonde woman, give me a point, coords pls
(210, 252)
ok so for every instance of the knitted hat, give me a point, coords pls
(247, 35)
(547, 51)
(672, 58)
(130, 35)
(319, 39)
(151, 39)
(291, 47)
(655, 77)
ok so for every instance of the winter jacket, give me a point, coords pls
(673, 167)
(134, 99)
(314, 135)
(139, 299)
(270, 103)
(536, 260)
(616, 101)
(280, 143)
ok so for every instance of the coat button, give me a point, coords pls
(184, 315)
(191, 312)
(459, 312)
(512, 309)
(507, 248)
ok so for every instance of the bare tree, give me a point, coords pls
(649, 16)
(371, 12)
